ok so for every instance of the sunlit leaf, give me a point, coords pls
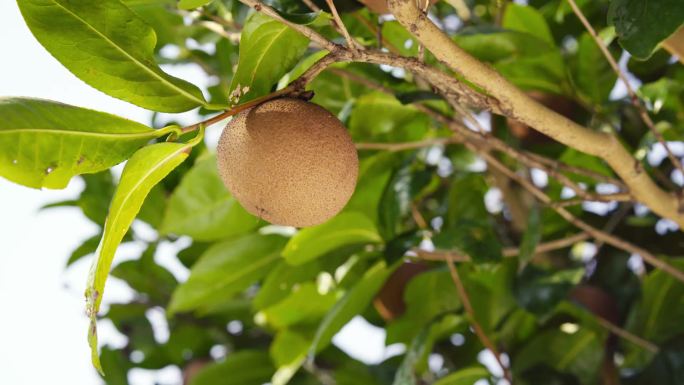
(347, 228)
(144, 170)
(111, 48)
(268, 50)
(45, 143)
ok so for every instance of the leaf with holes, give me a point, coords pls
(111, 48)
(142, 172)
(45, 143)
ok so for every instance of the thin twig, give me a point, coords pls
(486, 341)
(401, 146)
(508, 252)
(594, 232)
(643, 113)
(340, 25)
(297, 86)
(622, 333)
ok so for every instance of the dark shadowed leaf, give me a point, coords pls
(642, 25)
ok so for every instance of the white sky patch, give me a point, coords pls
(365, 342)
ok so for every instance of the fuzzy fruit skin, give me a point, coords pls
(289, 162)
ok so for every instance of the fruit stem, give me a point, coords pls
(237, 109)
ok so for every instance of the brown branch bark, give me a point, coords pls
(508, 100)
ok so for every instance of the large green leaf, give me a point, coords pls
(268, 50)
(143, 171)
(202, 207)
(345, 229)
(111, 48)
(225, 269)
(641, 25)
(247, 367)
(353, 303)
(44, 143)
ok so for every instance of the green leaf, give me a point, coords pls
(304, 305)
(268, 50)
(539, 291)
(526, 60)
(246, 367)
(281, 280)
(346, 228)
(382, 118)
(145, 276)
(89, 246)
(659, 312)
(422, 306)
(144, 170)
(44, 143)
(354, 302)
(202, 207)
(115, 362)
(192, 4)
(531, 236)
(467, 376)
(225, 269)
(288, 351)
(406, 373)
(111, 48)
(579, 353)
(594, 76)
(526, 19)
(642, 25)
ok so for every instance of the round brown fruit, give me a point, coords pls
(289, 162)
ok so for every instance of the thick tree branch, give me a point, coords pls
(514, 103)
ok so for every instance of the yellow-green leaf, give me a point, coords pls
(143, 171)
(111, 48)
(45, 143)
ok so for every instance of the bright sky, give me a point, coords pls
(42, 321)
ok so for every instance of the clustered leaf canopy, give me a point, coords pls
(494, 239)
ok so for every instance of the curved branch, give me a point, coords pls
(514, 103)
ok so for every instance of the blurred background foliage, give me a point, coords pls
(262, 303)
